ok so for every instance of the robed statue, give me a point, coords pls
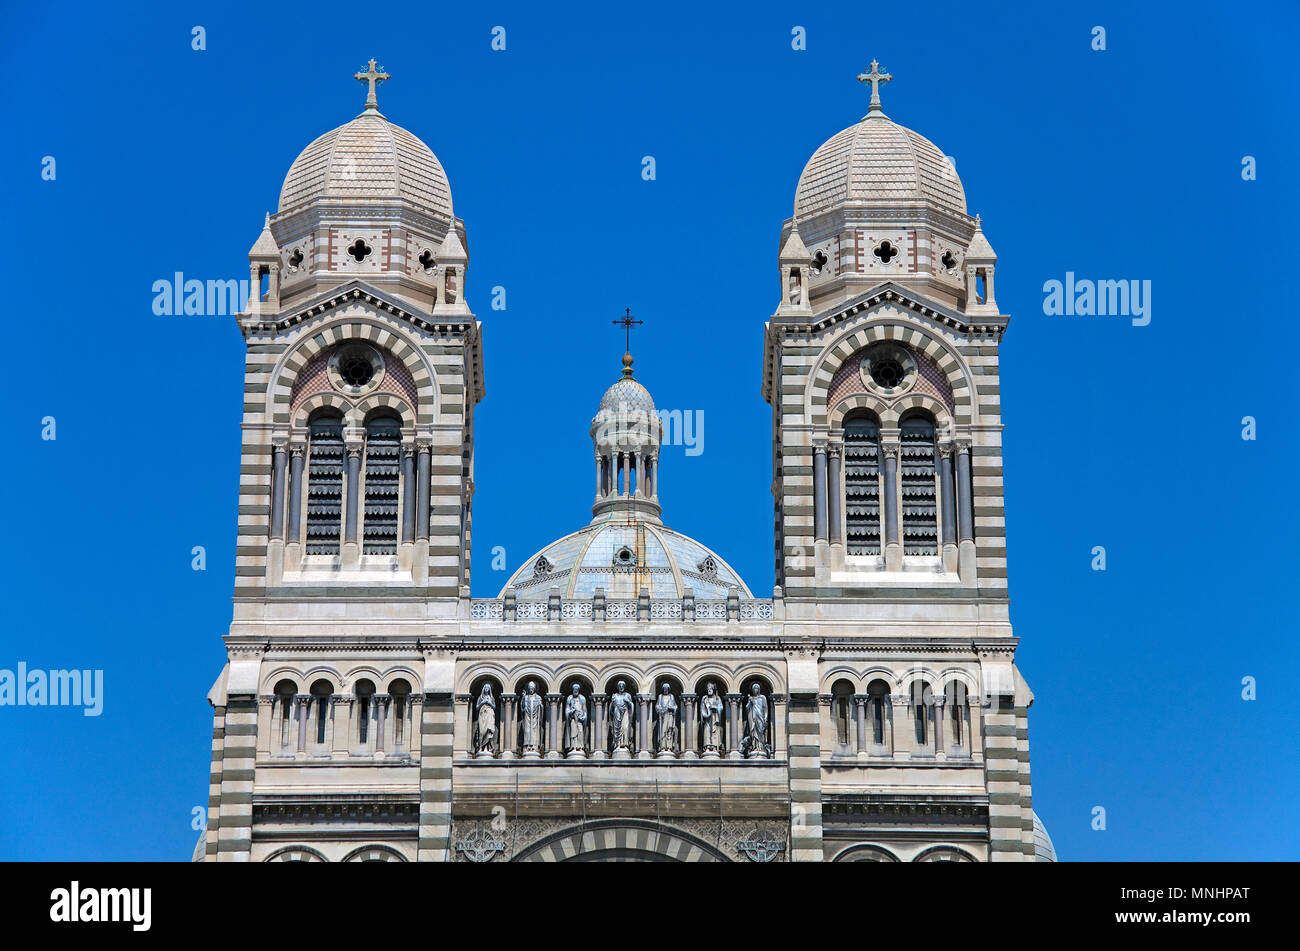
(575, 721)
(710, 719)
(485, 715)
(530, 718)
(756, 723)
(666, 711)
(621, 707)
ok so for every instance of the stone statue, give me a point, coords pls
(666, 710)
(575, 721)
(530, 719)
(621, 707)
(711, 720)
(485, 712)
(756, 723)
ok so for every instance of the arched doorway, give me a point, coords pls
(621, 840)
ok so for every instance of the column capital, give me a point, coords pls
(889, 448)
(861, 699)
(947, 444)
(834, 448)
(735, 697)
(554, 697)
(963, 443)
(900, 700)
(599, 697)
(819, 445)
(690, 697)
(298, 447)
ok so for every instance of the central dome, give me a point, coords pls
(366, 159)
(623, 557)
(878, 162)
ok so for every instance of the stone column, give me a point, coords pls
(654, 476)
(423, 449)
(643, 701)
(553, 725)
(834, 492)
(599, 466)
(278, 465)
(598, 701)
(965, 514)
(625, 479)
(948, 505)
(408, 492)
(860, 701)
(381, 710)
(819, 492)
(303, 702)
(779, 728)
(893, 540)
(687, 726)
(937, 708)
(351, 550)
(506, 726)
(297, 455)
(899, 720)
(733, 726)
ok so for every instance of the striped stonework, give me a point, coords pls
(1026, 792)
(1003, 776)
(214, 783)
(805, 779)
(437, 734)
(235, 818)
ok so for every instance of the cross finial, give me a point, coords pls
(875, 77)
(371, 76)
(628, 321)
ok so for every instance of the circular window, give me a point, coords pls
(888, 369)
(623, 556)
(356, 368)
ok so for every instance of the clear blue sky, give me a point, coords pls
(1117, 164)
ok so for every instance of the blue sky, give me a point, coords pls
(1122, 164)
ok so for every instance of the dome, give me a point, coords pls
(1044, 851)
(878, 162)
(622, 556)
(627, 396)
(368, 158)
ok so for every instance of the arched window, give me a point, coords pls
(920, 525)
(365, 692)
(862, 485)
(285, 691)
(383, 464)
(922, 698)
(400, 691)
(955, 706)
(842, 711)
(321, 691)
(325, 485)
(878, 692)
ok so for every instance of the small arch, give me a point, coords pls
(364, 691)
(374, 853)
(945, 853)
(865, 853)
(282, 712)
(322, 691)
(399, 689)
(877, 712)
(295, 853)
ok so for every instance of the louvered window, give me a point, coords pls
(862, 486)
(383, 462)
(920, 525)
(325, 486)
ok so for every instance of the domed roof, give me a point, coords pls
(1044, 851)
(368, 158)
(622, 556)
(878, 161)
(626, 396)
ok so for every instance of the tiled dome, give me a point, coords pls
(366, 159)
(878, 162)
(627, 396)
(622, 557)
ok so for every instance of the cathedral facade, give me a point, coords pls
(626, 695)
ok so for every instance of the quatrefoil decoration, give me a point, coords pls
(359, 249)
(886, 252)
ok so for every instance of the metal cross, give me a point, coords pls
(875, 77)
(371, 76)
(627, 320)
